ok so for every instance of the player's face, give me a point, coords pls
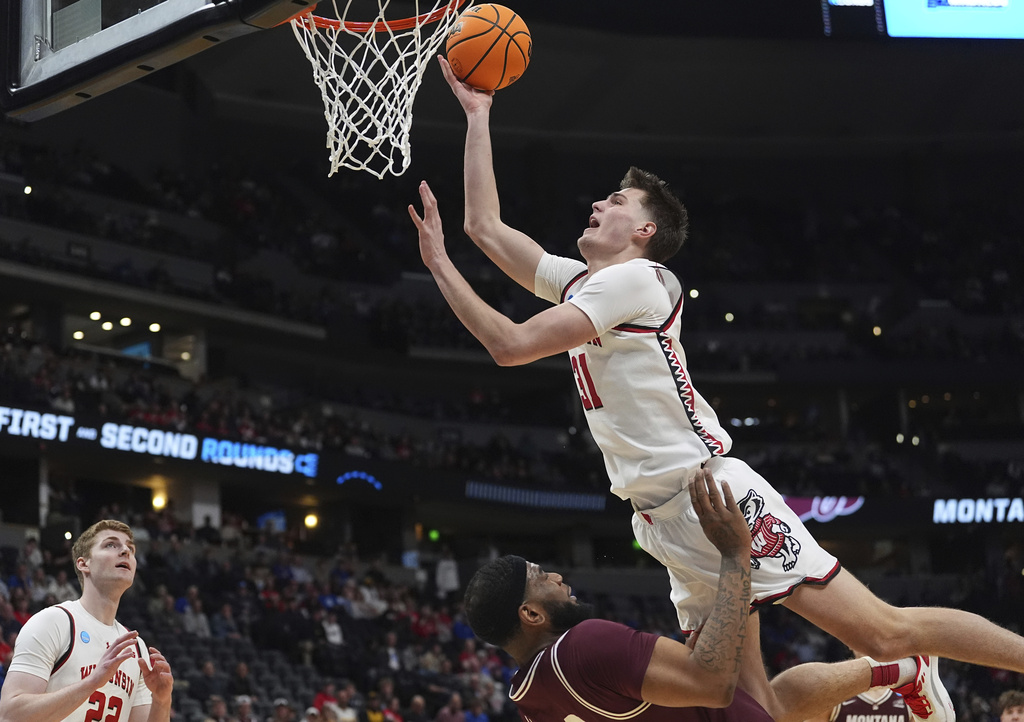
(1012, 714)
(613, 222)
(562, 608)
(112, 558)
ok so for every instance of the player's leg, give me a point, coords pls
(849, 611)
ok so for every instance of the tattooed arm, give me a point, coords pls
(707, 675)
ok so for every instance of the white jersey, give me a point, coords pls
(63, 644)
(652, 426)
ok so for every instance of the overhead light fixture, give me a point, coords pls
(126, 321)
(95, 315)
(78, 335)
(107, 325)
(154, 327)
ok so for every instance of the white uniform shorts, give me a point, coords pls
(783, 554)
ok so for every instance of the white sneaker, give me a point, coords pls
(926, 697)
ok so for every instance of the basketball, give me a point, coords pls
(489, 47)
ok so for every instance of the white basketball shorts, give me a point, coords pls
(783, 553)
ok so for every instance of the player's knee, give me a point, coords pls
(891, 638)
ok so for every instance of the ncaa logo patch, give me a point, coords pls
(85, 637)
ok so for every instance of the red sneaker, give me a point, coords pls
(927, 699)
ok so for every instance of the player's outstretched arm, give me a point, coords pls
(24, 697)
(511, 250)
(707, 676)
(552, 331)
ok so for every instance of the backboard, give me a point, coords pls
(55, 54)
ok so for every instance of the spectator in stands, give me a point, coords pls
(8, 621)
(332, 630)
(194, 620)
(7, 640)
(343, 709)
(452, 711)
(312, 715)
(389, 656)
(283, 711)
(208, 533)
(446, 576)
(243, 709)
(41, 584)
(31, 556)
(327, 693)
(469, 663)
(240, 684)
(417, 711)
(355, 697)
(223, 624)
(1011, 706)
(61, 588)
(207, 684)
(21, 606)
(393, 710)
(218, 710)
(21, 579)
(476, 712)
(372, 712)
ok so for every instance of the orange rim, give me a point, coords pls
(307, 16)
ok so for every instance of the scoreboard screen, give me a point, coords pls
(1002, 19)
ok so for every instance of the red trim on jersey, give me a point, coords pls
(569, 284)
(630, 328)
(687, 394)
(67, 655)
(818, 581)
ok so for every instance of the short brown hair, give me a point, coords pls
(1010, 698)
(82, 548)
(667, 211)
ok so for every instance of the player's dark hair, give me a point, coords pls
(493, 598)
(1009, 698)
(667, 212)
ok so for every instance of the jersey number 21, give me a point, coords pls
(588, 394)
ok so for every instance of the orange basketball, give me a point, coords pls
(489, 47)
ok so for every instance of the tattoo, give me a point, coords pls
(720, 645)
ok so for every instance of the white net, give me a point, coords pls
(368, 74)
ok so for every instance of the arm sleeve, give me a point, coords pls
(622, 293)
(554, 273)
(609, 656)
(41, 642)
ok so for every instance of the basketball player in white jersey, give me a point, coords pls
(617, 315)
(74, 662)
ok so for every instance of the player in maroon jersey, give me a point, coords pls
(575, 668)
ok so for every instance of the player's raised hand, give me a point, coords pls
(469, 97)
(429, 227)
(157, 676)
(720, 517)
(113, 657)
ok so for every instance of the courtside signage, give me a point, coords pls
(157, 442)
(978, 511)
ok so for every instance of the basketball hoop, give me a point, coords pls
(368, 74)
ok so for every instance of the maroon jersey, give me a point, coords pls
(595, 671)
(890, 708)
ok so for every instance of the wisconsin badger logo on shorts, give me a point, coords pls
(769, 536)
